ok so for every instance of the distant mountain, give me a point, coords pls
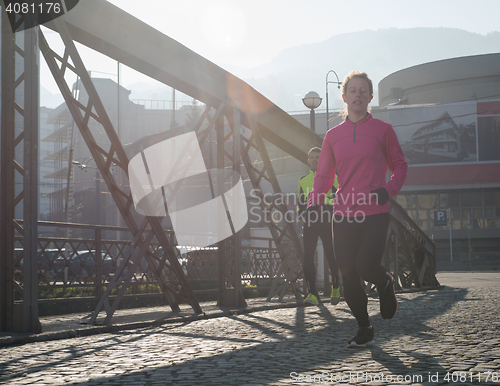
(297, 70)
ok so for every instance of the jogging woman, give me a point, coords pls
(359, 151)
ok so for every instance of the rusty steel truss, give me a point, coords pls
(409, 251)
(19, 183)
(241, 120)
(150, 229)
(105, 158)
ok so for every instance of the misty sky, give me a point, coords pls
(248, 33)
(251, 32)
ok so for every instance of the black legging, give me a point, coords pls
(359, 248)
(311, 235)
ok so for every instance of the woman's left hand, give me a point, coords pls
(382, 195)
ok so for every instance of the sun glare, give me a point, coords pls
(224, 25)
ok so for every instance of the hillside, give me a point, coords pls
(297, 70)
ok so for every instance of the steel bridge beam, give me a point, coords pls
(111, 31)
(115, 33)
(8, 179)
(241, 96)
(19, 176)
(279, 232)
(104, 158)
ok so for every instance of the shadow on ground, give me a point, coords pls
(312, 344)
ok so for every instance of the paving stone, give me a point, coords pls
(449, 330)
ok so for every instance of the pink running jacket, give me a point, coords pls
(360, 154)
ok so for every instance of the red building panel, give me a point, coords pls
(488, 108)
(453, 174)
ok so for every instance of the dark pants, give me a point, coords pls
(311, 235)
(359, 248)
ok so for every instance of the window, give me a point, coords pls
(422, 215)
(444, 200)
(488, 132)
(491, 198)
(472, 198)
(427, 201)
(454, 199)
(401, 200)
(489, 212)
(410, 201)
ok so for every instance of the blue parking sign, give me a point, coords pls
(440, 217)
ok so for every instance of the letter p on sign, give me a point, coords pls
(440, 217)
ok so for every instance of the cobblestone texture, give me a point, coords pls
(455, 329)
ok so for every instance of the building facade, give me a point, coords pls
(447, 118)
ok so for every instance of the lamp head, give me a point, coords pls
(312, 100)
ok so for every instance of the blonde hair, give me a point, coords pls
(355, 74)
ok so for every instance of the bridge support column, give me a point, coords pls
(19, 176)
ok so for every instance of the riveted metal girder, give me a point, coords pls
(19, 184)
(279, 231)
(104, 159)
(409, 253)
(7, 181)
(115, 33)
(228, 145)
(118, 35)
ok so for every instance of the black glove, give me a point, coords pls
(382, 194)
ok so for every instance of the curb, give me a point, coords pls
(50, 336)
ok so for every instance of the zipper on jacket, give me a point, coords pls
(354, 135)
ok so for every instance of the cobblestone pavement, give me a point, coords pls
(452, 331)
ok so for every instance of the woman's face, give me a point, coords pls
(357, 96)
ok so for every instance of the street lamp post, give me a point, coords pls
(312, 101)
(98, 235)
(338, 83)
(84, 166)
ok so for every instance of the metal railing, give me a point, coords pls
(91, 262)
(409, 252)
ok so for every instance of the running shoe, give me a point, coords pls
(335, 296)
(311, 299)
(363, 338)
(388, 300)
